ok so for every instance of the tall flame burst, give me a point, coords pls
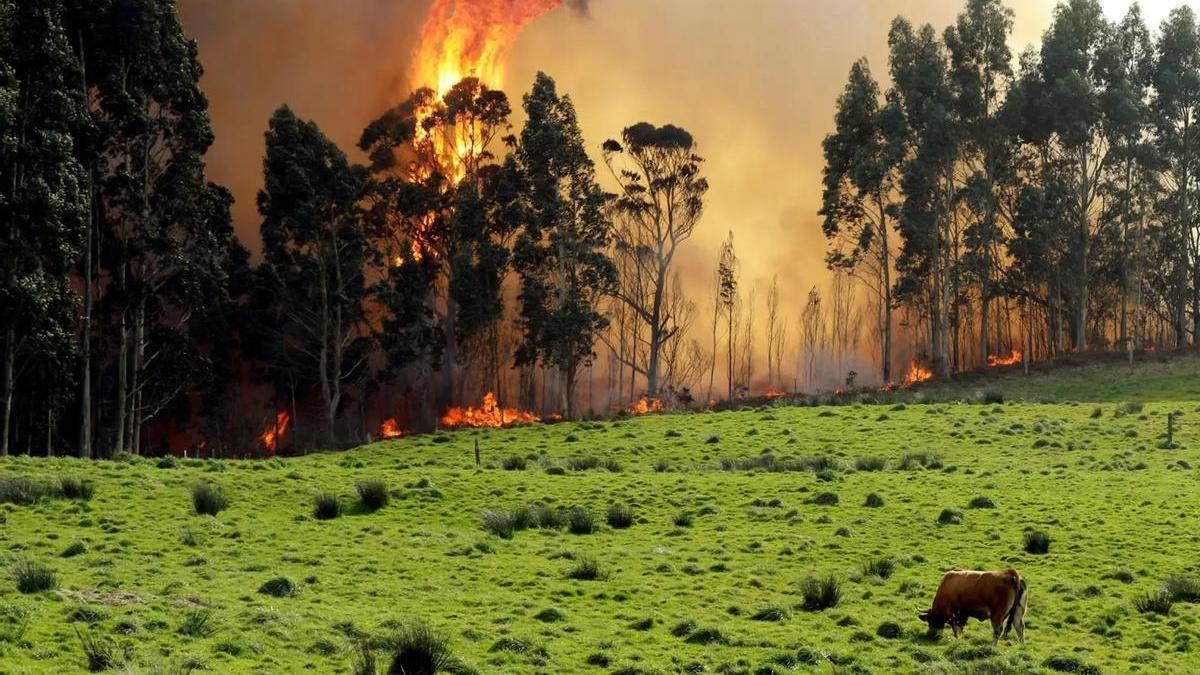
(472, 38)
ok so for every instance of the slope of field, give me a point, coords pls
(708, 578)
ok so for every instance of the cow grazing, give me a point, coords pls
(1000, 595)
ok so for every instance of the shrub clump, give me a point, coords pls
(826, 499)
(586, 569)
(981, 502)
(879, 567)
(1182, 589)
(514, 463)
(1037, 543)
(417, 648)
(1159, 602)
(820, 593)
(208, 499)
(770, 614)
(279, 587)
(32, 576)
(950, 516)
(873, 501)
(102, 652)
(75, 488)
(580, 521)
(326, 506)
(372, 494)
(924, 460)
(619, 516)
(889, 630)
(870, 464)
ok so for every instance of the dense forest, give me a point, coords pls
(982, 204)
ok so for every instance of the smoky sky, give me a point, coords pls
(754, 81)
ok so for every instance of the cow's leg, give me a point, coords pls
(997, 626)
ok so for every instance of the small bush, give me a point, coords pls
(1070, 664)
(992, 396)
(279, 587)
(820, 593)
(76, 548)
(580, 521)
(541, 516)
(1159, 602)
(950, 516)
(619, 516)
(1037, 543)
(20, 490)
(1128, 408)
(208, 499)
(586, 569)
(372, 494)
(420, 650)
(682, 519)
(75, 488)
(870, 464)
(826, 499)
(889, 630)
(683, 628)
(873, 501)
(706, 636)
(102, 652)
(1182, 589)
(198, 624)
(879, 567)
(326, 506)
(981, 502)
(770, 614)
(514, 463)
(550, 615)
(924, 460)
(31, 576)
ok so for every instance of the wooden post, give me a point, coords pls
(476, 451)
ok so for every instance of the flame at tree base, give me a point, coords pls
(489, 414)
(917, 373)
(274, 434)
(390, 429)
(1011, 360)
(645, 406)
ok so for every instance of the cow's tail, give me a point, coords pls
(1018, 598)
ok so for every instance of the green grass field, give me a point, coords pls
(709, 577)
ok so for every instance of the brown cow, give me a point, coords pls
(967, 594)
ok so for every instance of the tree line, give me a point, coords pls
(462, 256)
(1044, 204)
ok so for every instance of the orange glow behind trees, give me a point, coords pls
(1010, 360)
(917, 373)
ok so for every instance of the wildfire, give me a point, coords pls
(1012, 359)
(645, 406)
(472, 38)
(917, 373)
(488, 414)
(774, 394)
(275, 433)
(390, 429)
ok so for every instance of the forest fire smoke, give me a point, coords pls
(645, 406)
(916, 373)
(1010, 360)
(390, 429)
(488, 414)
(274, 434)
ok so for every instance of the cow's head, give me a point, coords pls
(933, 619)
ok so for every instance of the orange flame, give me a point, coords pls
(645, 406)
(1012, 359)
(275, 433)
(472, 38)
(917, 373)
(390, 429)
(774, 393)
(488, 414)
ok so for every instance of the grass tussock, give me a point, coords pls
(820, 593)
(372, 494)
(619, 516)
(1036, 542)
(326, 506)
(32, 576)
(208, 499)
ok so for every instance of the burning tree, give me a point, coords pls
(660, 201)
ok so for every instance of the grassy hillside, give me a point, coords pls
(709, 577)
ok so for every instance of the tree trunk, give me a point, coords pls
(885, 264)
(10, 385)
(122, 386)
(85, 340)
